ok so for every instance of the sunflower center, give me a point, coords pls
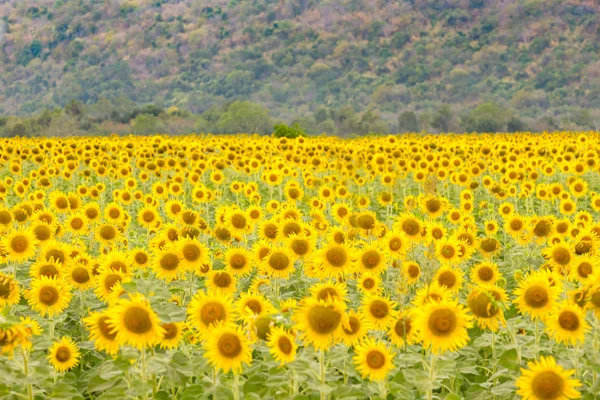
(111, 280)
(584, 269)
(395, 244)
(442, 322)
(562, 256)
(279, 261)
(80, 275)
(222, 279)
(107, 232)
(403, 327)
(568, 320)
(238, 221)
(371, 259)
(369, 283)
(212, 312)
(56, 254)
(48, 295)
(254, 305)
(76, 223)
(411, 227)
(42, 232)
(238, 261)
(433, 205)
(366, 222)
(447, 278)
(118, 266)
(336, 257)
(63, 354)
(300, 247)
(448, 251)
(481, 305)
(291, 228)
(379, 309)
(229, 345)
(148, 216)
(485, 273)
(547, 385)
(542, 228)
(413, 271)
(375, 359)
(137, 320)
(141, 258)
(489, 245)
(5, 288)
(170, 331)
(270, 231)
(19, 244)
(169, 262)
(327, 293)
(536, 296)
(323, 320)
(105, 329)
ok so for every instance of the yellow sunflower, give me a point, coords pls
(535, 295)
(334, 260)
(227, 348)
(545, 380)
(403, 331)
(567, 324)
(64, 354)
(378, 310)
(48, 296)
(206, 310)
(486, 303)
(173, 333)
(373, 360)
(319, 321)
(282, 345)
(19, 245)
(10, 291)
(135, 323)
(101, 332)
(443, 326)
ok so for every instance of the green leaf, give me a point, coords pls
(508, 360)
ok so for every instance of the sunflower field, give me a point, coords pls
(253, 267)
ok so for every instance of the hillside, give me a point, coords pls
(332, 65)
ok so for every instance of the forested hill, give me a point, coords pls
(332, 65)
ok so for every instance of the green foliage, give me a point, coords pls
(282, 130)
(407, 122)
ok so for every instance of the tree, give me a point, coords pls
(442, 119)
(407, 122)
(486, 117)
(146, 124)
(244, 117)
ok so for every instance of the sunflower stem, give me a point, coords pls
(322, 368)
(236, 384)
(143, 367)
(383, 388)
(431, 378)
(537, 337)
(26, 372)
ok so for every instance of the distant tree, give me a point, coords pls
(244, 117)
(146, 124)
(486, 117)
(408, 122)
(515, 124)
(74, 108)
(442, 119)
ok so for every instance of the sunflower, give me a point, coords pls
(50, 269)
(101, 332)
(282, 345)
(77, 224)
(238, 261)
(148, 218)
(403, 331)
(378, 310)
(237, 221)
(567, 324)
(117, 261)
(140, 258)
(443, 326)
(301, 245)
(449, 278)
(166, 263)
(546, 380)
(447, 251)
(135, 323)
(206, 310)
(107, 234)
(114, 213)
(320, 321)
(356, 328)
(369, 283)
(173, 333)
(278, 263)
(485, 273)
(221, 282)
(227, 349)
(193, 253)
(10, 291)
(560, 256)
(411, 271)
(373, 360)
(370, 258)
(269, 231)
(64, 354)
(107, 280)
(334, 260)
(19, 245)
(515, 225)
(396, 244)
(410, 225)
(433, 206)
(535, 295)
(253, 305)
(485, 302)
(48, 296)
(583, 268)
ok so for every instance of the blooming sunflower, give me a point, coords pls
(567, 324)
(282, 345)
(545, 380)
(403, 331)
(356, 328)
(319, 321)
(443, 326)
(173, 333)
(485, 273)
(101, 332)
(485, 302)
(278, 263)
(238, 261)
(48, 296)
(10, 291)
(227, 348)
(64, 354)
(373, 360)
(449, 278)
(334, 260)
(19, 245)
(535, 295)
(253, 305)
(370, 258)
(206, 310)
(378, 310)
(135, 323)
(221, 282)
